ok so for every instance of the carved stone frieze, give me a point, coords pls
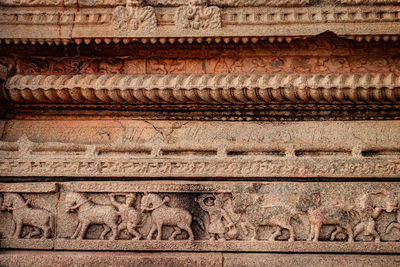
(196, 22)
(203, 216)
(174, 3)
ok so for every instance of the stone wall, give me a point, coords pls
(199, 133)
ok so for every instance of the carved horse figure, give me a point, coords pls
(90, 213)
(256, 215)
(161, 215)
(319, 215)
(22, 215)
(392, 205)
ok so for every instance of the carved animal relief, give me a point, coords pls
(25, 220)
(207, 213)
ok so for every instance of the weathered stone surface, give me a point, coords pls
(309, 260)
(49, 259)
(205, 216)
(149, 126)
(128, 148)
(26, 258)
(187, 22)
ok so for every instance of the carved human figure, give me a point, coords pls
(256, 215)
(197, 16)
(393, 205)
(130, 217)
(368, 213)
(161, 215)
(319, 215)
(134, 16)
(90, 213)
(23, 214)
(213, 205)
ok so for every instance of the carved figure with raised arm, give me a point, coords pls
(130, 217)
(213, 205)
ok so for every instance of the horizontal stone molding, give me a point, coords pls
(154, 159)
(62, 26)
(218, 259)
(203, 168)
(174, 3)
(205, 89)
(360, 217)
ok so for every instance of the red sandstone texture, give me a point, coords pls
(143, 133)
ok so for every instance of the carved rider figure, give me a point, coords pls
(368, 214)
(130, 217)
(212, 204)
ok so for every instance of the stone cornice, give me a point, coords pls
(175, 3)
(170, 24)
(220, 89)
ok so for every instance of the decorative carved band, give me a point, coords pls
(174, 3)
(126, 159)
(205, 89)
(203, 216)
(196, 23)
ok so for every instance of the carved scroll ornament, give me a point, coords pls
(197, 16)
(134, 17)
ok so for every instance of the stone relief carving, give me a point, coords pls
(319, 215)
(172, 3)
(41, 220)
(223, 212)
(219, 219)
(198, 16)
(393, 205)
(256, 215)
(161, 215)
(368, 213)
(90, 213)
(134, 17)
(130, 217)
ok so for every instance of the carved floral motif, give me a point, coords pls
(134, 17)
(197, 16)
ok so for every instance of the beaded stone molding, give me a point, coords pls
(213, 92)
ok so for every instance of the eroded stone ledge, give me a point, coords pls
(49, 259)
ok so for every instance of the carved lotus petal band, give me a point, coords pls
(205, 89)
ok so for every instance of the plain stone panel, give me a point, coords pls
(52, 259)
(325, 260)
